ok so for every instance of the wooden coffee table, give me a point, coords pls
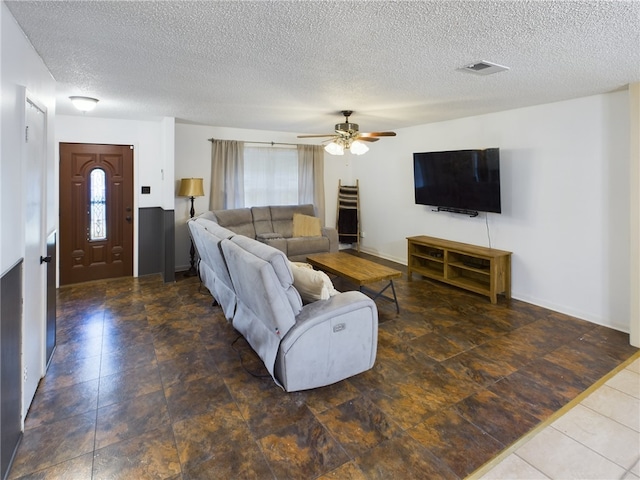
(357, 270)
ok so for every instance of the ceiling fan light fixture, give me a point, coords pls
(347, 128)
(358, 148)
(84, 104)
(347, 136)
(334, 148)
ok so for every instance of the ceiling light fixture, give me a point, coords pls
(337, 147)
(84, 104)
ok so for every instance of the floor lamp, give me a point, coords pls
(192, 188)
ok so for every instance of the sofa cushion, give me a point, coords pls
(297, 246)
(306, 226)
(274, 240)
(262, 220)
(280, 265)
(214, 274)
(267, 236)
(282, 217)
(213, 227)
(311, 284)
(239, 220)
(208, 215)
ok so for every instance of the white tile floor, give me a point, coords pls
(597, 438)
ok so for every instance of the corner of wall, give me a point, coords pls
(634, 175)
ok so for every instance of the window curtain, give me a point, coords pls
(311, 177)
(270, 176)
(227, 175)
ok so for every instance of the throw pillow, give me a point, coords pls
(306, 226)
(311, 284)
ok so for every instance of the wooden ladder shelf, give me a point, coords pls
(348, 216)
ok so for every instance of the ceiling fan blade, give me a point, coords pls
(378, 134)
(368, 139)
(318, 135)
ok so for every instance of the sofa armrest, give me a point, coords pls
(332, 234)
(332, 340)
(340, 305)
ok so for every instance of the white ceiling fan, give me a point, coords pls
(347, 135)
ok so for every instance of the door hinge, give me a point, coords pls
(26, 133)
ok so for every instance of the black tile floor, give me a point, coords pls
(147, 382)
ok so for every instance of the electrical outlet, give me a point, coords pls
(25, 374)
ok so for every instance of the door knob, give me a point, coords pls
(128, 218)
(46, 259)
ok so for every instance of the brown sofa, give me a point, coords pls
(274, 225)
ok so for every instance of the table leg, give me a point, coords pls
(380, 294)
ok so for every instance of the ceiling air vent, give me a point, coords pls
(484, 68)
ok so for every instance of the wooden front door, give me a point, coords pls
(96, 212)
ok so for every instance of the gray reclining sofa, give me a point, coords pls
(212, 268)
(302, 346)
(273, 225)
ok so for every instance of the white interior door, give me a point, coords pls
(33, 330)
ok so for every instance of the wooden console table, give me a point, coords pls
(482, 270)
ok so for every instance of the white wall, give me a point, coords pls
(153, 142)
(149, 138)
(21, 68)
(565, 200)
(565, 197)
(634, 217)
(23, 73)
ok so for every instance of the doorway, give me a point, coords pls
(96, 212)
(34, 286)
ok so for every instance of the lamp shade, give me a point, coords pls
(334, 148)
(358, 148)
(191, 187)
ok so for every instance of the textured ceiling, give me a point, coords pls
(291, 66)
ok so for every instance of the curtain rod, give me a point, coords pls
(266, 143)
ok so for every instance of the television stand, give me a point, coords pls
(482, 270)
(463, 211)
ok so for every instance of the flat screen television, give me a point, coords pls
(464, 181)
